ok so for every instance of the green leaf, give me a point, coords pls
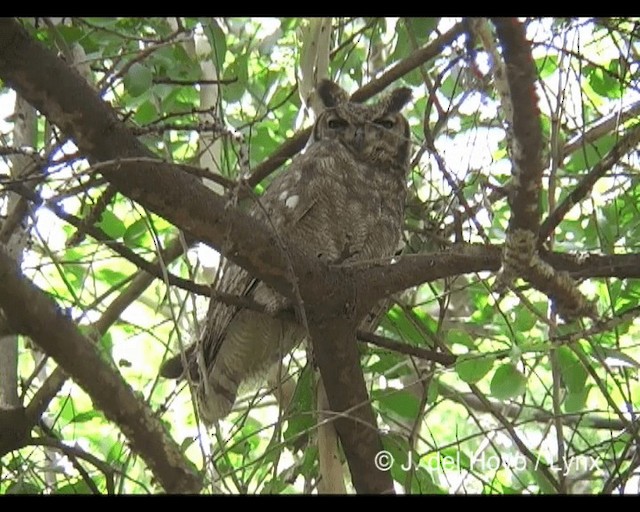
(85, 416)
(106, 343)
(111, 225)
(404, 324)
(604, 83)
(79, 487)
(245, 440)
(104, 22)
(397, 457)
(138, 79)
(145, 113)
(507, 382)
(401, 402)
(236, 70)
(110, 275)
(309, 460)
(525, 320)
(546, 65)
(23, 488)
(135, 233)
(433, 391)
(218, 42)
(423, 483)
(421, 27)
(575, 401)
(592, 153)
(75, 275)
(455, 458)
(544, 485)
(275, 487)
(452, 84)
(573, 373)
(472, 367)
(67, 412)
(460, 337)
(70, 34)
(301, 418)
(390, 365)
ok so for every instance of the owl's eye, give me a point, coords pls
(337, 124)
(385, 123)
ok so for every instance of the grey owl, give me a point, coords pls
(342, 200)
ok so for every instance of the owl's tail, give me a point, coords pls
(174, 368)
(215, 395)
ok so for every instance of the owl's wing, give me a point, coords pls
(235, 281)
(297, 203)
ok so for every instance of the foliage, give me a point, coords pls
(527, 391)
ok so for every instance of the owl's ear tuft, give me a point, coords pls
(398, 99)
(330, 93)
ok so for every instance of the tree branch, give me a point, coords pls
(71, 103)
(32, 312)
(381, 280)
(527, 129)
(337, 355)
(521, 258)
(52, 386)
(588, 265)
(603, 126)
(626, 143)
(404, 348)
(515, 411)
(295, 144)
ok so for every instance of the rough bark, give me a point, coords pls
(31, 312)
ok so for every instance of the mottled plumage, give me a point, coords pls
(342, 200)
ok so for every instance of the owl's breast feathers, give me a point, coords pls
(336, 206)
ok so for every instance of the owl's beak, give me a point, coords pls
(358, 138)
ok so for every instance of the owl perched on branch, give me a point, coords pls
(341, 200)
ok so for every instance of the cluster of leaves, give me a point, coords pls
(531, 404)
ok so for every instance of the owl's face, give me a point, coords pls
(375, 133)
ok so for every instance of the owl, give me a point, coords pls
(341, 200)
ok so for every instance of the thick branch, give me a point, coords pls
(383, 280)
(521, 72)
(521, 258)
(413, 270)
(30, 311)
(336, 352)
(71, 103)
(584, 266)
(52, 386)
